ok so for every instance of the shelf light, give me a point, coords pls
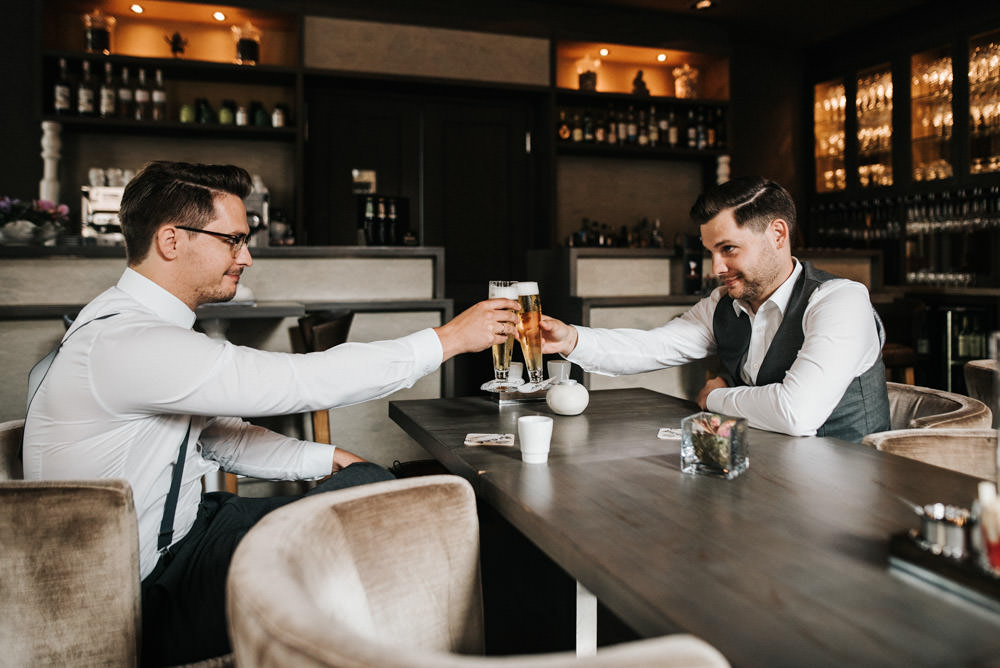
(702, 5)
(604, 52)
(661, 57)
(137, 8)
(219, 16)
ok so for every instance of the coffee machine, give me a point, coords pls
(99, 207)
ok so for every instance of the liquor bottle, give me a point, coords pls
(125, 96)
(654, 128)
(366, 232)
(562, 128)
(692, 130)
(673, 132)
(964, 339)
(711, 131)
(142, 110)
(701, 133)
(62, 92)
(107, 107)
(380, 223)
(612, 135)
(643, 138)
(588, 127)
(86, 93)
(391, 233)
(159, 95)
(601, 130)
(631, 128)
(577, 131)
(622, 128)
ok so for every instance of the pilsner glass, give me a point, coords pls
(502, 351)
(529, 328)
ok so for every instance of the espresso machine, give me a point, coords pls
(99, 207)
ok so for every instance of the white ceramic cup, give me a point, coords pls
(535, 434)
(559, 370)
(516, 370)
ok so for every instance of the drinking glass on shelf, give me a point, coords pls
(528, 327)
(502, 351)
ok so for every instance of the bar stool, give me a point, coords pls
(899, 359)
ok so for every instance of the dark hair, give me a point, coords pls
(174, 192)
(755, 201)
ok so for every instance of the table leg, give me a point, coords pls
(586, 622)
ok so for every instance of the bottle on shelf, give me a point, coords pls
(612, 134)
(720, 128)
(622, 128)
(62, 91)
(366, 233)
(643, 133)
(692, 130)
(159, 98)
(577, 130)
(108, 96)
(588, 127)
(601, 130)
(380, 223)
(562, 128)
(391, 229)
(673, 132)
(631, 128)
(653, 131)
(86, 93)
(125, 96)
(142, 111)
(701, 132)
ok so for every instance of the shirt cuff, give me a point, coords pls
(427, 351)
(317, 460)
(579, 354)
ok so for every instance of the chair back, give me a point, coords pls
(322, 330)
(916, 407)
(969, 451)
(11, 435)
(981, 380)
(387, 576)
(69, 594)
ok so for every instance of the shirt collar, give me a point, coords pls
(155, 298)
(778, 298)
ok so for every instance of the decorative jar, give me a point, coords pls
(714, 445)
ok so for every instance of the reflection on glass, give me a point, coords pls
(984, 103)
(931, 115)
(874, 109)
(829, 102)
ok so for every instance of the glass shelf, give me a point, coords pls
(874, 110)
(829, 102)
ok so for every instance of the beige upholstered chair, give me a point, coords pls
(69, 569)
(969, 451)
(916, 407)
(387, 575)
(981, 380)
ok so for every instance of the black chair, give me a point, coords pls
(321, 330)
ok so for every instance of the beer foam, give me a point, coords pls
(527, 288)
(506, 291)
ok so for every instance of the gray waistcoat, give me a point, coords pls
(862, 410)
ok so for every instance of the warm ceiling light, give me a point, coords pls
(604, 52)
(661, 57)
(136, 8)
(702, 4)
(219, 16)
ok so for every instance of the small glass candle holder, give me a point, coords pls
(714, 445)
(247, 38)
(97, 29)
(686, 81)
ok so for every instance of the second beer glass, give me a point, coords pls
(529, 329)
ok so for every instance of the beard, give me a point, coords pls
(223, 292)
(763, 280)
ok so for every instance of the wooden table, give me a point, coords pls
(785, 565)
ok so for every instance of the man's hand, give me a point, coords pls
(710, 384)
(479, 327)
(557, 336)
(342, 459)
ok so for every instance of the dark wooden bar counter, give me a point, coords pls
(786, 565)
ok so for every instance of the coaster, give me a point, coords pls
(489, 439)
(669, 433)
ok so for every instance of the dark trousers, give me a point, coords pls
(184, 598)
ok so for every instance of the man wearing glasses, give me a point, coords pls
(134, 392)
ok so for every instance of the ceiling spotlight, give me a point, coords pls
(604, 52)
(661, 57)
(702, 5)
(137, 8)
(219, 16)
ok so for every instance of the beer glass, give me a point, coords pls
(502, 351)
(528, 327)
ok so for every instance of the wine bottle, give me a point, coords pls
(577, 131)
(692, 130)
(643, 134)
(86, 93)
(673, 132)
(654, 128)
(562, 128)
(612, 135)
(142, 110)
(631, 128)
(159, 95)
(108, 104)
(62, 91)
(125, 96)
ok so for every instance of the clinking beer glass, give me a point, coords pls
(502, 351)
(528, 327)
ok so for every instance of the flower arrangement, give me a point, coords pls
(714, 445)
(26, 221)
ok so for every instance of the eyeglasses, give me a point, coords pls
(236, 241)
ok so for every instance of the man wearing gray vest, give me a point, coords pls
(800, 348)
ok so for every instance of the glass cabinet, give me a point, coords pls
(931, 117)
(829, 101)
(984, 103)
(874, 109)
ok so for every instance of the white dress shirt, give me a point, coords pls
(119, 395)
(841, 342)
